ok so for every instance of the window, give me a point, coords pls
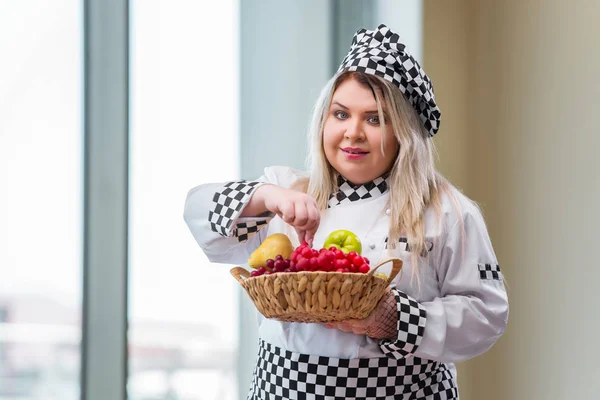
(41, 201)
(183, 310)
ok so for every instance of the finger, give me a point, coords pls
(287, 212)
(359, 331)
(315, 219)
(344, 327)
(357, 326)
(353, 326)
(301, 235)
(300, 215)
(355, 322)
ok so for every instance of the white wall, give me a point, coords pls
(285, 53)
(405, 17)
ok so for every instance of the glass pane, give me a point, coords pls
(183, 310)
(41, 201)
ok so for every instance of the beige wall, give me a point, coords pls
(519, 87)
(446, 59)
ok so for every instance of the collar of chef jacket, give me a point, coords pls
(349, 192)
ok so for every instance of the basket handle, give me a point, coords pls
(396, 267)
(240, 274)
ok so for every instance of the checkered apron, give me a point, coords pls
(284, 375)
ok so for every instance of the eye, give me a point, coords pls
(340, 114)
(373, 120)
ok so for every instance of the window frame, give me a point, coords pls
(105, 186)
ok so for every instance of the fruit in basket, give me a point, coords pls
(344, 240)
(381, 275)
(276, 254)
(274, 245)
(315, 297)
(303, 258)
(258, 271)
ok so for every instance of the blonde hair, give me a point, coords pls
(413, 169)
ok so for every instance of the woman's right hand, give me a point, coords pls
(293, 207)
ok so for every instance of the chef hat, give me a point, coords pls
(381, 53)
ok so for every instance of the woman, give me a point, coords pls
(371, 172)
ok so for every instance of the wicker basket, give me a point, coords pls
(316, 296)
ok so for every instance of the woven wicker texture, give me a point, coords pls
(316, 296)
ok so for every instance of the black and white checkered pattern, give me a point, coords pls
(412, 317)
(348, 192)
(490, 271)
(381, 53)
(284, 375)
(404, 245)
(227, 206)
(244, 230)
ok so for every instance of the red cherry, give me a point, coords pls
(366, 260)
(307, 252)
(351, 255)
(314, 263)
(270, 264)
(279, 265)
(363, 269)
(323, 249)
(325, 263)
(323, 260)
(333, 248)
(294, 256)
(338, 263)
(330, 255)
(357, 260)
(302, 263)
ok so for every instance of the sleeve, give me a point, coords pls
(472, 312)
(212, 213)
(411, 327)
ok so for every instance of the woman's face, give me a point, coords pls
(352, 134)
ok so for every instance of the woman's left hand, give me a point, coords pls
(382, 323)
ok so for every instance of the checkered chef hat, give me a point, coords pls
(381, 53)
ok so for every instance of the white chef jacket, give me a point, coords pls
(460, 285)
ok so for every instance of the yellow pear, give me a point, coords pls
(275, 244)
(381, 275)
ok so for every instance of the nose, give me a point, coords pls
(354, 130)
